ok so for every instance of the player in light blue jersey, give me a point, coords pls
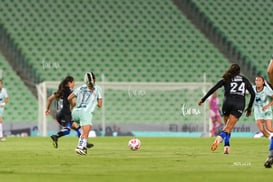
(3, 101)
(88, 97)
(262, 106)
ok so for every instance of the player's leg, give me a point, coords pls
(220, 137)
(86, 126)
(1, 130)
(262, 125)
(1, 125)
(77, 128)
(64, 131)
(269, 161)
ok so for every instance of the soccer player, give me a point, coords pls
(4, 98)
(88, 97)
(63, 115)
(214, 113)
(262, 106)
(235, 86)
(269, 161)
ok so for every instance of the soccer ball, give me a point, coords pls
(134, 144)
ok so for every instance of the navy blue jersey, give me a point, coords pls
(63, 104)
(234, 90)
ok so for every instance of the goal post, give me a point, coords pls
(133, 104)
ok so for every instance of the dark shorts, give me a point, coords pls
(234, 106)
(64, 119)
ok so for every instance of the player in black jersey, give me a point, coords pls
(63, 115)
(235, 86)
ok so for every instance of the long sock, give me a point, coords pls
(63, 132)
(223, 135)
(271, 144)
(82, 143)
(227, 140)
(1, 130)
(78, 131)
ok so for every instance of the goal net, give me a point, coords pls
(136, 106)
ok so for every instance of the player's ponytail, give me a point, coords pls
(62, 85)
(233, 71)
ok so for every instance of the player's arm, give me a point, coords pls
(252, 97)
(211, 91)
(268, 105)
(99, 97)
(49, 101)
(71, 99)
(270, 71)
(99, 102)
(6, 100)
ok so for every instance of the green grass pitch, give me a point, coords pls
(159, 159)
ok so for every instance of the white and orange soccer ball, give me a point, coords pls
(134, 144)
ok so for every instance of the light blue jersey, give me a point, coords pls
(3, 96)
(262, 98)
(86, 104)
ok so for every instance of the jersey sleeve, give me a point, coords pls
(76, 91)
(213, 89)
(99, 93)
(5, 93)
(250, 89)
(269, 92)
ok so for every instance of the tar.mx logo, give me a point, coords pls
(185, 110)
(50, 65)
(136, 92)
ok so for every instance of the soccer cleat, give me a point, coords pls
(216, 143)
(54, 141)
(80, 151)
(226, 150)
(268, 163)
(89, 145)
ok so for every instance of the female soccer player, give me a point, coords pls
(262, 106)
(89, 96)
(63, 110)
(4, 98)
(269, 161)
(214, 113)
(235, 86)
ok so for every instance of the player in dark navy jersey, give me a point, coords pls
(235, 86)
(63, 115)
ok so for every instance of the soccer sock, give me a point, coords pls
(63, 132)
(78, 131)
(227, 140)
(82, 143)
(1, 130)
(223, 134)
(271, 144)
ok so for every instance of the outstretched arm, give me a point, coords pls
(211, 91)
(252, 97)
(49, 101)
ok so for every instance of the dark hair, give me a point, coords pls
(233, 71)
(266, 83)
(89, 74)
(62, 86)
